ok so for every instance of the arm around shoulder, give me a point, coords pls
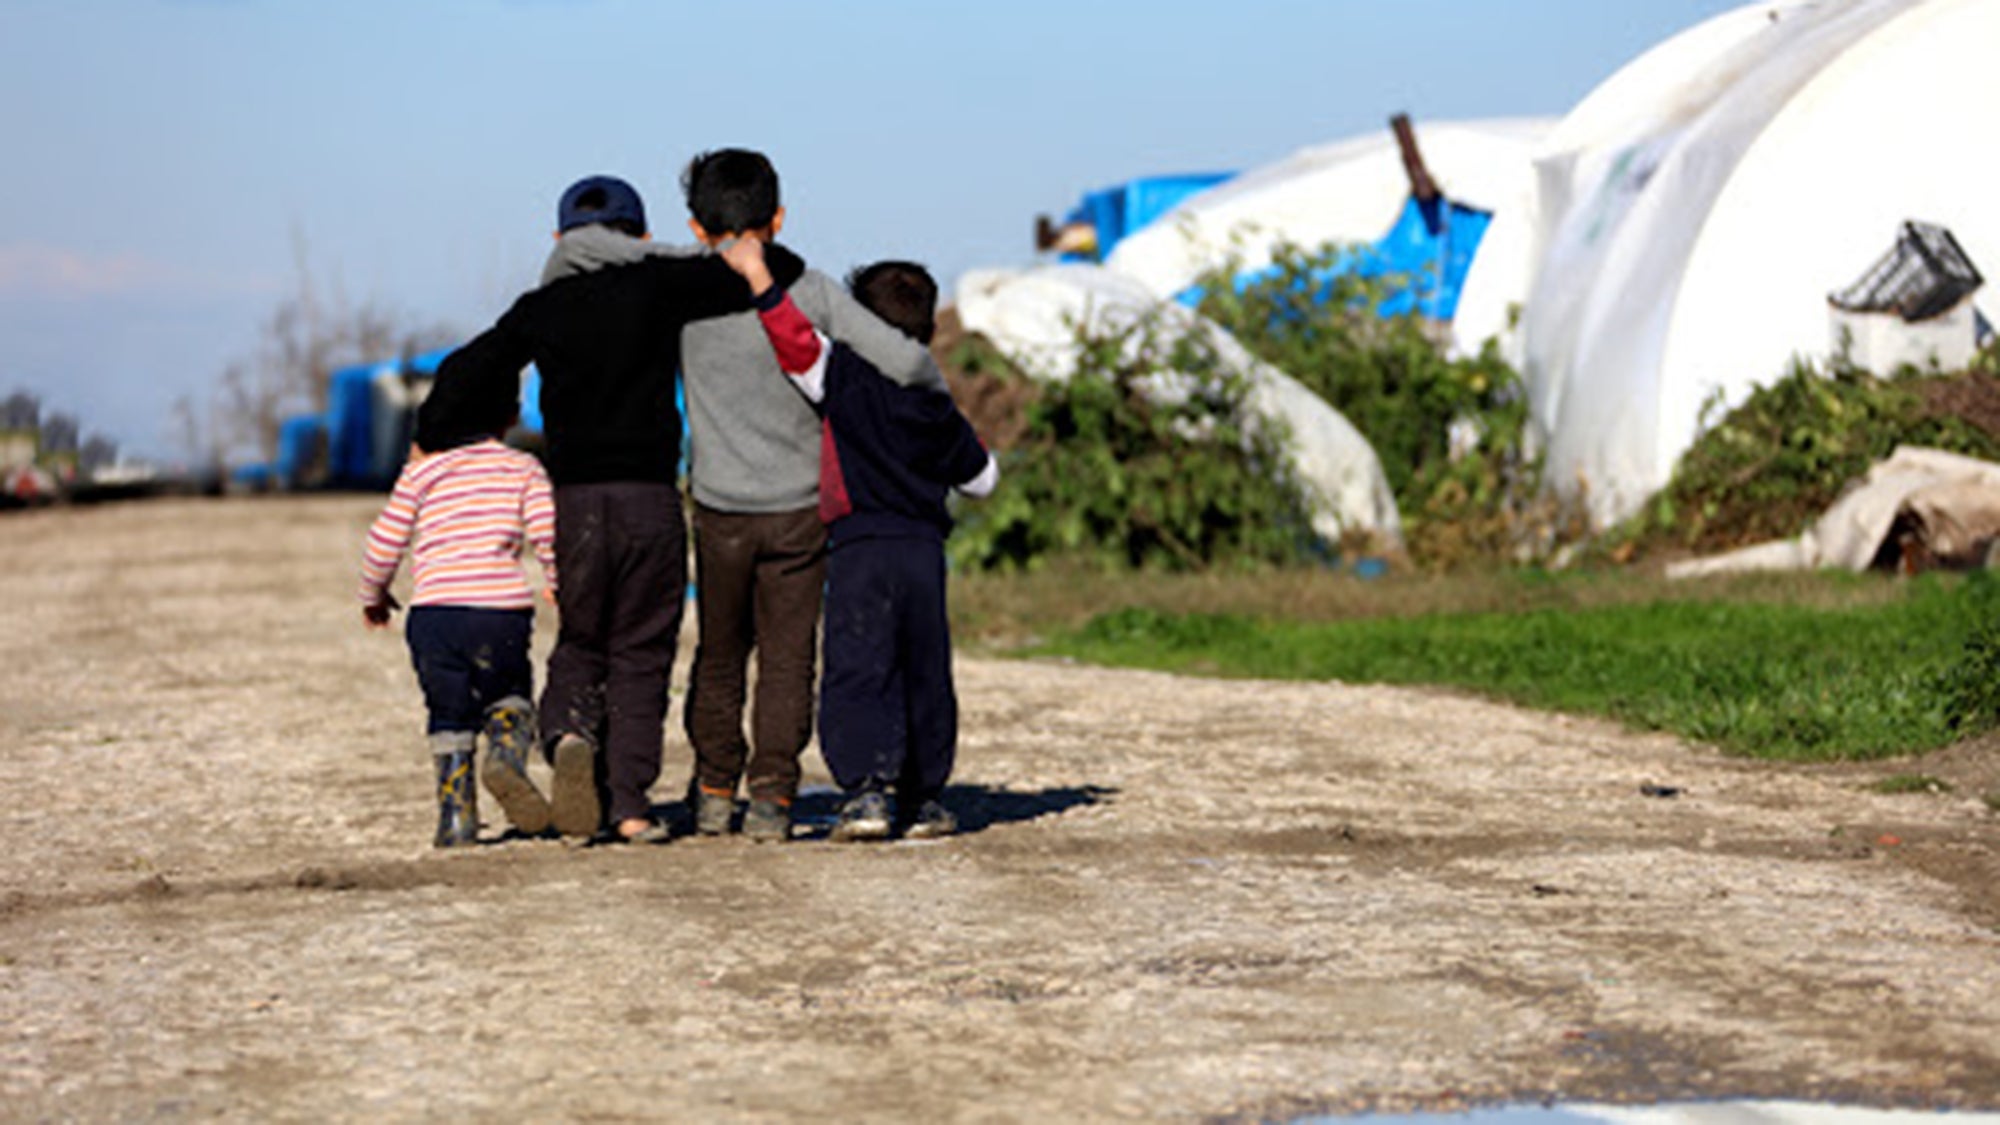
(898, 357)
(469, 375)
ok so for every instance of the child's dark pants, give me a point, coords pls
(621, 579)
(760, 576)
(468, 659)
(888, 713)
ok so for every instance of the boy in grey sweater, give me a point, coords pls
(760, 548)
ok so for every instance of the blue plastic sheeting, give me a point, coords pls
(299, 437)
(350, 425)
(1118, 211)
(1429, 250)
(1432, 245)
(363, 450)
(531, 400)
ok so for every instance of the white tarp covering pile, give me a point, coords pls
(1947, 505)
(1033, 317)
(1347, 191)
(1695, 210)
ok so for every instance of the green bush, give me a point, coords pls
(1392, 379)
(1773, 464)
(1147, 457)
(1971, 687)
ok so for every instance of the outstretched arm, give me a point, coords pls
(468, 376)
(699, 288)
(900, 358)
(802, 351)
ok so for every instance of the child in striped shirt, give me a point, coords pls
(463, 515)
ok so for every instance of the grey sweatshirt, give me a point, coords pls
(753, 439)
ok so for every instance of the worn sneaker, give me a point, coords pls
(865, 817)
(768, 822)
(712, 812)
(510, 733)
(573, 807)
(933, 820)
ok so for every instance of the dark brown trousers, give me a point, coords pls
(621, 579)
(758, 581)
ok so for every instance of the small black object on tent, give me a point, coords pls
(1924, 275)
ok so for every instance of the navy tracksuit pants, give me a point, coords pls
(888, 714)
(468, 659)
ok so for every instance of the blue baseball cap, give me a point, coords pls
(600, 199)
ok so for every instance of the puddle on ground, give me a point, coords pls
(1690, 1113)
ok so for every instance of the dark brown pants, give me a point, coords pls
(758, 578)
(621, 579)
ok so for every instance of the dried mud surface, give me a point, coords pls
(1178, 899)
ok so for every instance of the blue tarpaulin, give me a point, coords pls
(1428, 250)
(1118, 211)
(300, 438)
(368, 427)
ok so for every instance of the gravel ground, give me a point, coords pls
(1176, 898)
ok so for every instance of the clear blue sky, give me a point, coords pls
(164, 157)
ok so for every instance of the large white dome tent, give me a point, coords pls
(1692, 229)
(1641, 91)
(1347, 191)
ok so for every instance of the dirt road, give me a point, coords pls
(1178, 899)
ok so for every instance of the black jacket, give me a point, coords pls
(607, 345)
(890, 454)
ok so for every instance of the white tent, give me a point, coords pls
(1032, 316)
(1347, 191)
(1694, 212)
(1498, 283)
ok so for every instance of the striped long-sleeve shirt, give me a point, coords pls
(462, 516)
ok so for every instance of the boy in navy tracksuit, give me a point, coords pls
(888, 456)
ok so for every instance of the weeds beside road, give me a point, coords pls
(1807, 668)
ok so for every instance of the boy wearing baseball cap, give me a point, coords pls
(607, 344)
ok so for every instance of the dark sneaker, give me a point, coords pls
(865, 817)
(768, 822)
(933, 820)
(712, 812)
(573, 808)
(510, 733)
(458, 802)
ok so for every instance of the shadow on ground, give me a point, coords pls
(978, 807)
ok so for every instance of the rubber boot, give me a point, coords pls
(510, 735)
(458, 802)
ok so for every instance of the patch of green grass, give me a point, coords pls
(1786, 681)
(1004, 610)
(1911, 783)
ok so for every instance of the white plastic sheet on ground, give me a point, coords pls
(1033, 316)
(1346, 191)
(1695, 211)
(1952, 501)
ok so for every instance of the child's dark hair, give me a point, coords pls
(731, 190)
(901, 293)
